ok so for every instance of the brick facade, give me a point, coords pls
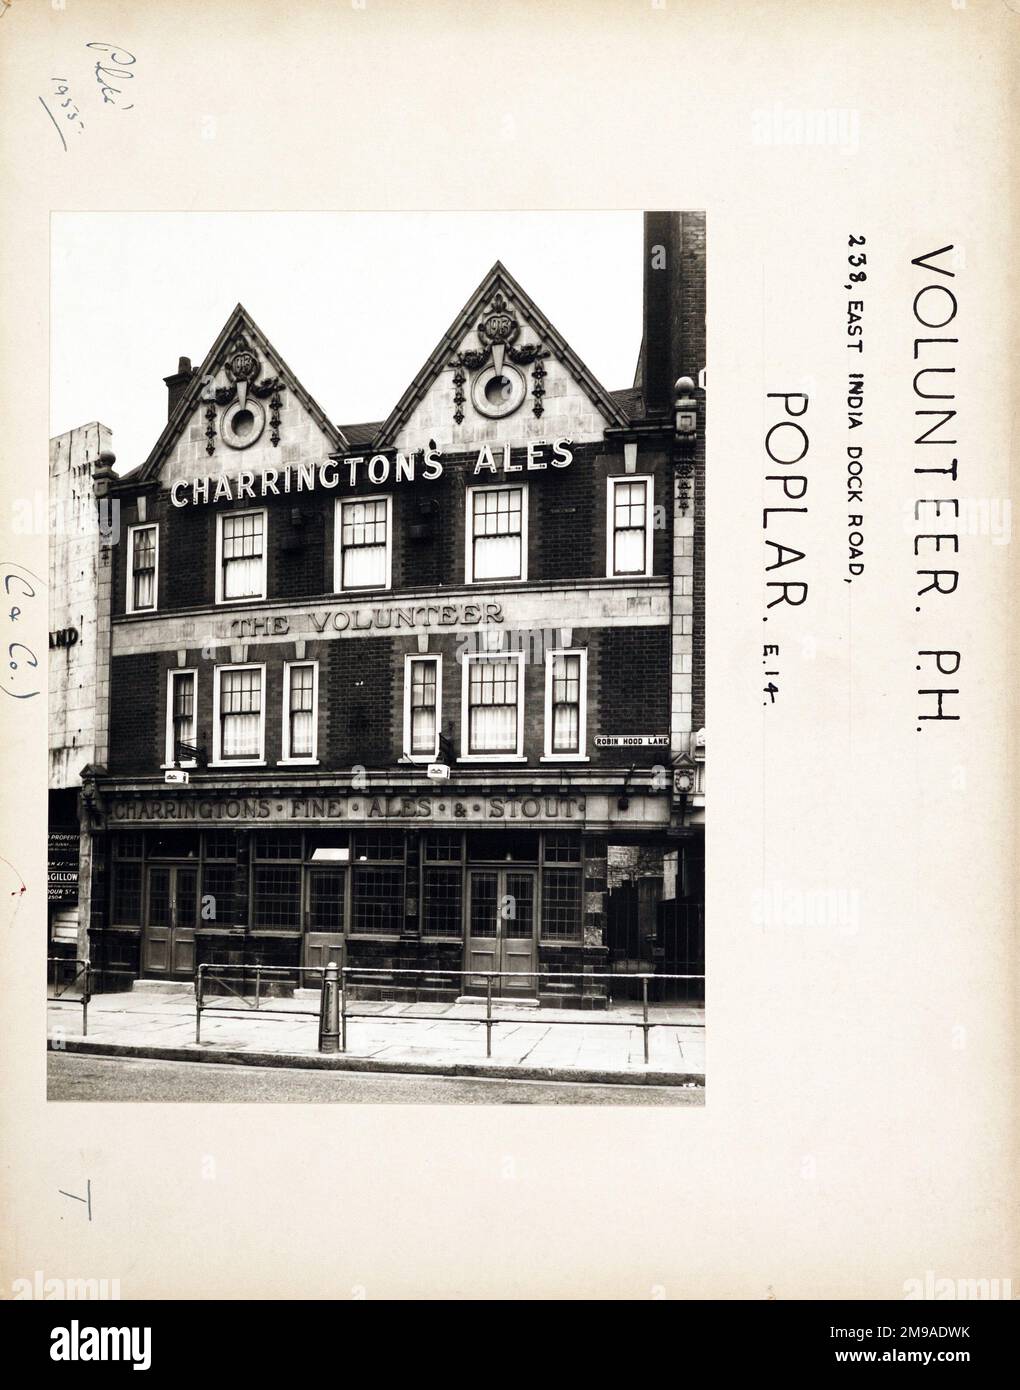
(550, 819)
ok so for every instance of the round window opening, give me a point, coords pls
(241, 425)
(498, 389)
(498, 393)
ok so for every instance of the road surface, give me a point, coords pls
(76, 1077)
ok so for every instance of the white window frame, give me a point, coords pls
(217, 759)
(550, 755)
(338, 541)
(409, 660)
(220, 518)
(129, 604)
(171, 675)
(305, 759)
(611, 486)
(466, 756)
(469, 550)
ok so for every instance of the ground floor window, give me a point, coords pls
(277, 897)
(378, 900)
(562, 896)
(442, 902)
(358, 882)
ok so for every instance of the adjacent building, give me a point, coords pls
(424, 694)
(82, 530)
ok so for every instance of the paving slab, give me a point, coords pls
(436, 1037)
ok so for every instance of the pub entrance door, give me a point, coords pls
(501, 930)
(171, 909)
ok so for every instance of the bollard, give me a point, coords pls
(85, 1002)
(198, 1005)
(488, 1015)
(644, 1013)
(329, 1013)
(343, 1009)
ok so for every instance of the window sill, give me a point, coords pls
(564, 758)
(244, 598)
(497, 579)
(174, 767)
(492, 758)
(297, 762)
(238, 762)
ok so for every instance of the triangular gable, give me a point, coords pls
(499, 291)
(238, 377)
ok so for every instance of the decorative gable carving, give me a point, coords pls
(244, 407)
(501, 372)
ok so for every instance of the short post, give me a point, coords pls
(488, 1015)
(343, 1008)
(644, 1013)
(198, 1004)
(258, 983)
(329, 1015)
(85, 1002)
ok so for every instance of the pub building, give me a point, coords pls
(425, 693)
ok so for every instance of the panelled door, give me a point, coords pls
(324, 922)
(171, 909)
(501, 929)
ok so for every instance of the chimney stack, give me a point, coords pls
(657, 374)
(177, 384)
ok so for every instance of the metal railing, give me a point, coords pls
(330, 1029)
(90, 973)
(224, 974)
(334, 1012)
(83, 968)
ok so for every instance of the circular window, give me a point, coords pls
(241, 425)
(498, 393)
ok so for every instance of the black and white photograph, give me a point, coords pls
(377, 697)
(428, 429)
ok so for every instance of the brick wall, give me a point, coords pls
(633, 667)
(687, 299)
(363, 702)
(137, 710)
(566, 529)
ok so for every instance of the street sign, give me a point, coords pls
(439, 772)
(632, 741)
(176, 774)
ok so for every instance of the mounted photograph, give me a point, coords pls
(377, 682)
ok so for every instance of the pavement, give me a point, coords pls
(443, 1039)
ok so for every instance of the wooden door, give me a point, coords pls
(501, 930)
(324, 921)
(171, 910)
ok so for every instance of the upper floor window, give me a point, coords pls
(422, 706)
(565, 713)
(629, 526)
(496, 533)
(300, 703)
(363, 543)
(239, 714)
(240, 556)
(181, 718)
(492, 721)
(143, 548)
